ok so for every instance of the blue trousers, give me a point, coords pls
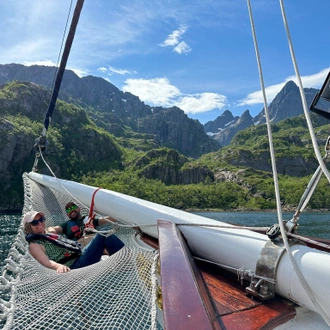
(93, 251)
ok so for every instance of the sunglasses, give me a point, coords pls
(36, 222)
(71, 208)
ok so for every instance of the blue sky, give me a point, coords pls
(197, 55)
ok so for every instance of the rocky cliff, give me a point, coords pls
(118, 112)
(75, 142)
(167, 165)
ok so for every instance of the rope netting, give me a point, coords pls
(115, 293)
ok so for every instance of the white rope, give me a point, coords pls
(301, 278)
(59, 182)
(269, 131)
(303, 98)
(276, 186)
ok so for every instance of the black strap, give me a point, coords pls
(58, 240)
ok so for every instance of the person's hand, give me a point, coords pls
(62, 269)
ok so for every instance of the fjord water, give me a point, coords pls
(310, 224)
(316, 224)
(9, 223)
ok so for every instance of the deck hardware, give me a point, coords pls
(273, 231)
(263, 282)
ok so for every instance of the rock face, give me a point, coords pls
(220, 123)
(118, 112)
(174, 129)
(17, 141)
(287, 103)
(292, 166)
(167, 165)
(74, 139)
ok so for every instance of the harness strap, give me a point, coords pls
(91, 216)
(58, 240)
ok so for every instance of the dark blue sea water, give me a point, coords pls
(311, 224)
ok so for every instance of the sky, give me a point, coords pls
(196, 55)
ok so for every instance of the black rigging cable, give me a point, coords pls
(40, 143)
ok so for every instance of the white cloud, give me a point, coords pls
(257, 97)
(110, 70)
(174, 40)
(79, 72)
(182, 48)
(157, 91)
(311, 81)
(198, 103)
(41, 62)
(120, 71)
(160, 92)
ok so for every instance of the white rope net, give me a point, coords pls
(115, 293)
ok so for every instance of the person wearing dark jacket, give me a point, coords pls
(74, 227)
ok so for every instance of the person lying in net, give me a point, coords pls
(74, 227)
(59, 253)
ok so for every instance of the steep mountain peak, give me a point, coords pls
(290, 85)
(246, 115)
(219, 123)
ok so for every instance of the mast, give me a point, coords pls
(40, 142)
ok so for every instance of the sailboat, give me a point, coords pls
(177, 270)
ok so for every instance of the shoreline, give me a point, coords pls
(285, 209)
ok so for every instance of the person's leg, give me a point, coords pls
(113, 244)
(91, 253)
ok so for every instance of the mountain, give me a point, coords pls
(286, 104)
(78, 149)
(121, 114)
(75, 143)
(124, 115)
(225, 135)
(221, 122)
(102, 135)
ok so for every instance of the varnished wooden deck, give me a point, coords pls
(239, 311)
(198, 295)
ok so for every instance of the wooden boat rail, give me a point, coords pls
(198, 295)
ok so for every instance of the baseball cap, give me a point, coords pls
(29, 216)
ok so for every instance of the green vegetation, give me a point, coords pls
(134, 164)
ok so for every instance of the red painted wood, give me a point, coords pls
(186, 303)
